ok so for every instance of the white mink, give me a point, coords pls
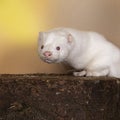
(83, 50)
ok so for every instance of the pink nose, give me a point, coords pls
(47, 53)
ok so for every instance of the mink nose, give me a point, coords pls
(47, 53)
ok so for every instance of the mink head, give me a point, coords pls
(54, 46)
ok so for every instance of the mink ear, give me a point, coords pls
(41, 35)
(69, 38)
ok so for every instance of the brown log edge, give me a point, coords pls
(58, 97)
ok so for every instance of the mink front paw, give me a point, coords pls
(81, 73)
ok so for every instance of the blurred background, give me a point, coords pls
(21, 20)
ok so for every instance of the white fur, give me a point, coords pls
(88, 51)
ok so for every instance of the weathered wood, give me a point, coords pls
(59, 97)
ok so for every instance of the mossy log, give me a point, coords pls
(59, 97)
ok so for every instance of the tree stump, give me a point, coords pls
(58, 97)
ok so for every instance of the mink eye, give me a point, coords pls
(42, 46)
(57, 48)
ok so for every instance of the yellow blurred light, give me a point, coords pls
(19, 19)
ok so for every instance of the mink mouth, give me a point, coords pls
(49, 61)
